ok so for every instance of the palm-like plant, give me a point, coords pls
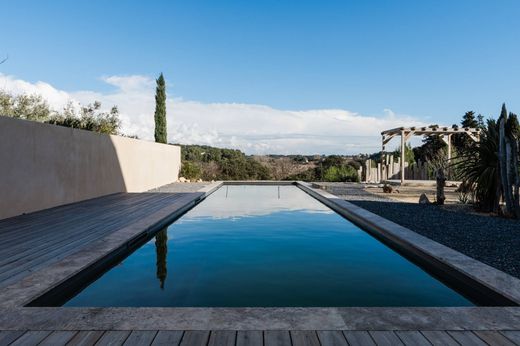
(477, 166)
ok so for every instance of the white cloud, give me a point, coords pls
(249, 127)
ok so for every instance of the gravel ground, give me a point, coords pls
(492, 240)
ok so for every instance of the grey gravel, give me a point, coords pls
(489, 239)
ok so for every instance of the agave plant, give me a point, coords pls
(477, 166)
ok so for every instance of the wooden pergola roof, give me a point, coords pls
(444, 132)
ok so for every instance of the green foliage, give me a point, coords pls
(461, 141)
(90, 118)
(160, 111)
(469, 120)
(33, 107)
(479, 168)
(29, 107)
(209, 163)
(409, 155)
(190, 170)
(432, 149)
(340, 173)
(331, 168)
(307, 175)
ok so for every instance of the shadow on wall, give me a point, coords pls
(44, 165)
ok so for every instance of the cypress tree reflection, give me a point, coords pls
(161, 249)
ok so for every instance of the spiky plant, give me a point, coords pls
(477, 166)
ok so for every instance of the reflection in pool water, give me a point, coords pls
(161, 249)
(265, 246)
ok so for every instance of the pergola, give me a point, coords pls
(444, 132)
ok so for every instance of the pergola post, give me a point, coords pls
(449, 147)
(403, 142)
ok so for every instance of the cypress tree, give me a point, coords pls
(160, 111)
(461, 141)
(468, 120)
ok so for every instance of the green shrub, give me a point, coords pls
(190, 170)
(340, 173)
(35, 108)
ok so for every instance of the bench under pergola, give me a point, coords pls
(444, 132)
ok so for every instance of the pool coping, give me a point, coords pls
(15, 316)
(353, 318)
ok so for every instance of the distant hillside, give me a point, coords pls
(210, 163)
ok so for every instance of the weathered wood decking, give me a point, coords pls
(258, 338)
(33, 241)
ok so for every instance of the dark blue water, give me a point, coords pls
(265, 246)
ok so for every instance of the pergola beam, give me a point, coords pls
(473, 133)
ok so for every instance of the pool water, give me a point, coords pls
(265, 246)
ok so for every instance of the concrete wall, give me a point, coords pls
(42, 166)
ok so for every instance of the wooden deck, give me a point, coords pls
(34, 241)
(254, 338)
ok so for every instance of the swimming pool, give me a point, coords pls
(265, 246)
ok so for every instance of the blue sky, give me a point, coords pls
(429, 60)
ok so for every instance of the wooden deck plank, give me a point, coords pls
(26, 220)
(168, 338)
(58, 338)
(40, 217)
(467, 338)
(277, 338)
(332, 338)
(513, 335)
(140, 337)
(413, 338)
(195, 338)
(32, 337)
(250, 338)
(494, 338)
(84, 219)
(304, 338)
(113, 338)
(100, 221)
(359, 338)
(34, 223)
(86, 338)
(439, 338)
(222, 338)
(63, 238)
(385, 338)
(8, 336)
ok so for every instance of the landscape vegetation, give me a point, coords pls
(488, 169)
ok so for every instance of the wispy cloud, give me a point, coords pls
(252, 128)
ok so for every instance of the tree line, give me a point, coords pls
(86, 117)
